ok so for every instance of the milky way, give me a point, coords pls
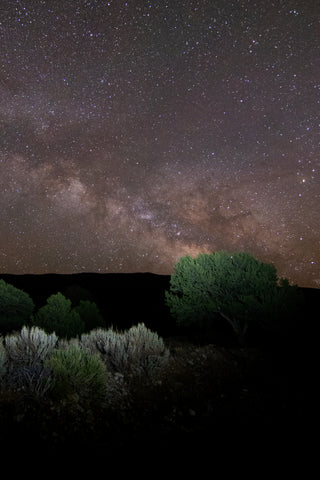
(132, 133)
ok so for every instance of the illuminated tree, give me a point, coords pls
(235, 287)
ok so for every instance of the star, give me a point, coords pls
(133, 133)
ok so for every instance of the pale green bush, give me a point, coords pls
(136, 351)
(30, 347)
(78, 373)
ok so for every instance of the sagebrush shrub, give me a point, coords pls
(111, 346)
(29, 347)
(146, 350)
(31, 379)
(136, 351)
(93, 341)
(75, 371)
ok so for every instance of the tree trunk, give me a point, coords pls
(239, 330)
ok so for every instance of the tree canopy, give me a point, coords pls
(234, 286)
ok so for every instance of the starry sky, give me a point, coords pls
(135, 132)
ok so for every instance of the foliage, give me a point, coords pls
(236, 287)
(29, 347)
(76, 372)
(59, 317)
(90, 315)
(16, 307)
(136, 351)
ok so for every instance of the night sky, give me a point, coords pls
(135, 132)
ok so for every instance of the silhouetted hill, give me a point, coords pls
(123, 299)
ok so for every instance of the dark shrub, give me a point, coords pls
(58, 316)
(90, 315)
(16, 308)
(76, 293)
